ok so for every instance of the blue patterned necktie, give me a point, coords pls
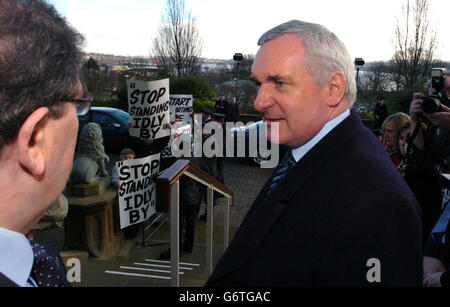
(285, 164)
(48, 270)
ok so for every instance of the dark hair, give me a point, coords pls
(126, 151)
(40, 62)
(405, 126)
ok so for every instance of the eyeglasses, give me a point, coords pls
(83, 104)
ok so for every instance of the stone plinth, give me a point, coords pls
(80, 255)
(91, 224)
(90, 189)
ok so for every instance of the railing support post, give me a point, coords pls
(168, 196)
(209, 230)
(175, 234)
(226, 224)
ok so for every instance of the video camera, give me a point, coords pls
(432, 103)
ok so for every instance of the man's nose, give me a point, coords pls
(264, 99)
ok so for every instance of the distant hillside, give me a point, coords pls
(114, 59)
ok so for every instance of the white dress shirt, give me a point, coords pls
(16, 257)
(302, 150)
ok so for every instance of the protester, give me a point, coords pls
(40, 97)
(390, 131)
(331, 218)
(144, 147)
(125, 154)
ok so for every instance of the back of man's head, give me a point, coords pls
(40, 63)
(324, 53)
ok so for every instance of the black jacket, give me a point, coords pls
(341, 205)
(232, 112)
(380, 112)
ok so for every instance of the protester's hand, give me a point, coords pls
(416, 106)
(148, 141)
(440, 119)
(116, 184)
(128, 127)
(433, 280)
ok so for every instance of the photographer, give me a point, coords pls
(428, 147)
(435, 114)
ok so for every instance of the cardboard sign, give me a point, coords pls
(181, 106)
(137, 190)
(149, 108)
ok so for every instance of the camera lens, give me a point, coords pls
(430, 105)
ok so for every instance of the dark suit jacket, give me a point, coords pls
(342, 204)
(6, 282)
(232, 112)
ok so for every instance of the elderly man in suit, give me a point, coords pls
(40, 97)
(335, 212)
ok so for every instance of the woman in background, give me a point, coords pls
(390, 129)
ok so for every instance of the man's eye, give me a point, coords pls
(279, 83)
(255, 82)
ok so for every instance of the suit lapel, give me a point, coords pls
(266, 211)
(251, 232)
(6, 282)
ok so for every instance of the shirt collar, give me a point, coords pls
(302, 150)
(16, 256)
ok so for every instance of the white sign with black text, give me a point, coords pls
(137, 190)
(149, 108)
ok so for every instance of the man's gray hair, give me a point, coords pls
(324, 53)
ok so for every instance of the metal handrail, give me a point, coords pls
(168, 187)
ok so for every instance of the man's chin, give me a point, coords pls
(273, 139)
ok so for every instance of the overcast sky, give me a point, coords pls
(126, 27)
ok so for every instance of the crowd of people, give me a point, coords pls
(192, 194)
(418, 145)
(229, 108)
(341, 208)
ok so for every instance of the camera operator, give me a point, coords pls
(435, 114)
(428, 156)
(428, 147)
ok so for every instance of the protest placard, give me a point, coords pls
(182, 107)
(137, 189)
(149, 108)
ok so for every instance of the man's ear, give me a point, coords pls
(31, 142)
(336, 89)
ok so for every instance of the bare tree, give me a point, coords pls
(178, 45)
(414, 45)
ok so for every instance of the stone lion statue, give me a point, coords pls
(90, 156)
